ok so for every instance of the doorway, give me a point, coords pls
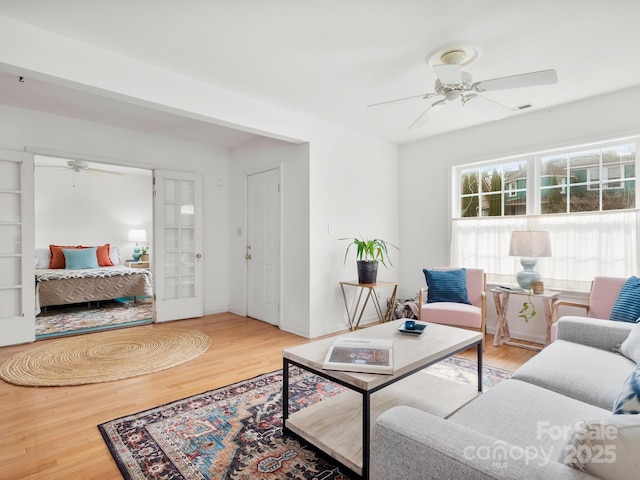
(89, 203)
(263, 246)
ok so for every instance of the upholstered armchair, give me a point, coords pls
(602, 298)
(443, 300)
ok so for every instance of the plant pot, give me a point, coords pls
(144, 257)
(367, 271)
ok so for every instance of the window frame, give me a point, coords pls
(534, 187)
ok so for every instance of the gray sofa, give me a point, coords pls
(522, 428)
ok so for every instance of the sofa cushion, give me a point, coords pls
(526, 415)
(630, 348)
(458, 314)
(411, 444)
(447, 285)
(628, 400)
(627, 305)
(588, 374)
(605, 447)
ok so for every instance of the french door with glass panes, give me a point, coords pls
(177, 262)
(17, 269)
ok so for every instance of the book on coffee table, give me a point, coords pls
(355, 354)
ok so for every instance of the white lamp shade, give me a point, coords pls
(530, 244)
(137, 235)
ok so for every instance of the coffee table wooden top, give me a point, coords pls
(410, 351)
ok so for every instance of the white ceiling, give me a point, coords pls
(329, 59)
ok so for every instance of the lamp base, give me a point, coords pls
(136, 253)
(528, 274)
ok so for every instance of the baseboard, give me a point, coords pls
(515, 335)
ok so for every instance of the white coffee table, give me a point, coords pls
(340, 426)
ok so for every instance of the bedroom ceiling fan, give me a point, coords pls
(79, 166)
(454, 84)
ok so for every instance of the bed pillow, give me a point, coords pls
(627, 306)
(447, 285)
(57, 257)
(103, 253)
(80, 258)
(114, 255)
(43, 257)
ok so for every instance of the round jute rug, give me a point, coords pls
(104, 356)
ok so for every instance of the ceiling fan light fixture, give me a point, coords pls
(455, 57)
(458, 53)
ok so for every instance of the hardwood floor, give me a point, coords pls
(51, 432)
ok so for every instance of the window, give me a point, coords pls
(598, 179)
(583, 180)
(493, 191)
(584, 196)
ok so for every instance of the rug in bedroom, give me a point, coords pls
(235, 432)
(72, 319)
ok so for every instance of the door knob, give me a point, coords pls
(248, 256)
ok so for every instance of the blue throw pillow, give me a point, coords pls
(627, 306)
(80, 258)
(628, 400)
(447, 285)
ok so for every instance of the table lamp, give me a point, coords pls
(137, 235)
(529, 245)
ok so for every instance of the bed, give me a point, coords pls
(63, 286)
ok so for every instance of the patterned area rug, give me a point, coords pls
(235, 432)
(72, 319)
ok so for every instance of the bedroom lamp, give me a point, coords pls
(529, 245)
(137, 235)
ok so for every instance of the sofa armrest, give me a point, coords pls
(412, 444)
(594, 332)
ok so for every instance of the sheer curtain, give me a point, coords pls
(584, 245)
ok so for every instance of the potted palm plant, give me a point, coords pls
(368, 254)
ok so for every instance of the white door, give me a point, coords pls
(17, 268)
(263, 246)
(177, 251)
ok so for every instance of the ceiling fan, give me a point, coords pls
(79, 166)
(453, 84)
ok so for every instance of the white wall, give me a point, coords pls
(425, 193)
(293, 161)
(340, 162)
(344, 180)
(23, 129)
(81, 208)
(353, 187)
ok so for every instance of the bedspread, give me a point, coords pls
(62, 286)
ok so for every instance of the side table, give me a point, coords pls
(138, 264)
(501, 299)
(370, 288)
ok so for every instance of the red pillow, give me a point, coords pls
(103, 251)
(57, 257)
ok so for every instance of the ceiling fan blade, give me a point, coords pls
(423, 96)
(427, 114)
(488, 107)
(449, 74)
(543, 77)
